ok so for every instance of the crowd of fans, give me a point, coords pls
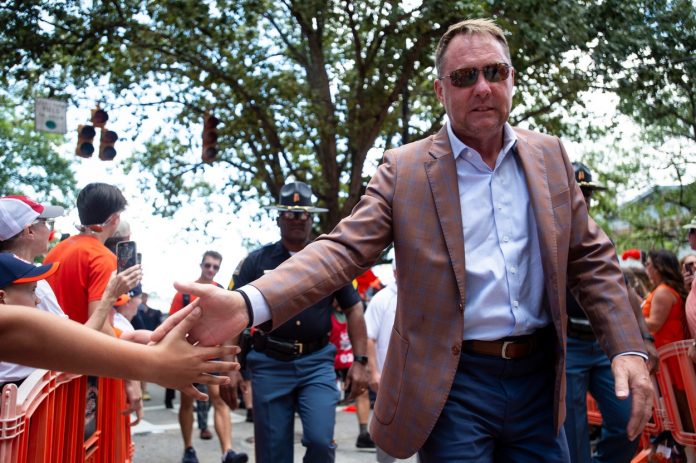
(78, 280)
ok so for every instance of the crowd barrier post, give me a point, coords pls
(44, 421)
(676, 353)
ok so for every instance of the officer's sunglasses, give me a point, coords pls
(466, 77)
(296, 215)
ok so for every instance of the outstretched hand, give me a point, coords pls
(632, 379)
(223, 315)
(178, 364)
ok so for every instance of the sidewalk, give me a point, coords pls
(157, 438)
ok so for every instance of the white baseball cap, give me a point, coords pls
(18, 212)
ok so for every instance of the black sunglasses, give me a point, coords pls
(297, 215)
(466, 77)
(213, 266)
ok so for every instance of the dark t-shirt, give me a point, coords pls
(311, 324)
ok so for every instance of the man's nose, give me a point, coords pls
(481, 86)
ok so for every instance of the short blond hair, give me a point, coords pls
(469, 27)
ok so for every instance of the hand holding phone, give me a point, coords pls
(689, 267)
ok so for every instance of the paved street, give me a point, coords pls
(157, 438)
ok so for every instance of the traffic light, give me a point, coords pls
(108, 138)
(210, 137)
(85, 141)
(99, 118)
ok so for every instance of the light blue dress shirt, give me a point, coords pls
(504, 276)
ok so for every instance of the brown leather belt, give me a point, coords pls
(507, 348)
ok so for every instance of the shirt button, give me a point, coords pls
(506, 239)
(456, 349)
(515, 304)
(513, 269)
(298, 323)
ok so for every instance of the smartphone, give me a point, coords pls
(139, 258)
(126, 255)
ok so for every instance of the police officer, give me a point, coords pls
(292, 366)
(589, 369)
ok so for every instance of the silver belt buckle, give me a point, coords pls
(504, 350)
(299, 348)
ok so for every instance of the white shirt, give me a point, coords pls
(379, 319)
(122, 322)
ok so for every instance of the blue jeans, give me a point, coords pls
(202, 407)
(498, 411)
(279, 388)
(589, 369)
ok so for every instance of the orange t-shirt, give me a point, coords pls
(671, 331)
(178, 301)
(85, 268)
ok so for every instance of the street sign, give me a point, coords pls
(50, 115)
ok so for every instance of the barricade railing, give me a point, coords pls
(44, 420)
(677, 379)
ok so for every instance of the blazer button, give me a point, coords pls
(456, 349)
(461, 307)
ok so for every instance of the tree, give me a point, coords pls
(303, 88)
(649, 66)
(31, 164)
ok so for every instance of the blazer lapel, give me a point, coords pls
(442, 176)
(532, 161)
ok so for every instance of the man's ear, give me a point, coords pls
(3, 294)
(27, 231)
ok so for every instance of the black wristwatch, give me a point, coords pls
(360, 359)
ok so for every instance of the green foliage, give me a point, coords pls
(308, 88)
(30, 162)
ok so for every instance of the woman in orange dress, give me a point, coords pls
(663, 310)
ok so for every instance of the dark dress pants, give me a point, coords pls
(499, 411)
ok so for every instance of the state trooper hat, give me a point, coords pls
(296, 196)
(583, 176)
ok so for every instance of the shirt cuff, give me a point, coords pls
(262, 313)
(639, 354)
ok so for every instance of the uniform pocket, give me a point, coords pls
(392, 379)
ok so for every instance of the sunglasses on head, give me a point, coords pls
(297, 215)
(213, 266)
(466, 77)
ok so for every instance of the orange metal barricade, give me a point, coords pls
(678, 418)
(44, 421)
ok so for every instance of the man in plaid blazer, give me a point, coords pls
(489, 226)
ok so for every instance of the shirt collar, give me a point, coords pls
(458, 146)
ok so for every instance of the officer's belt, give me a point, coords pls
(286, 349)
(579, 328)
